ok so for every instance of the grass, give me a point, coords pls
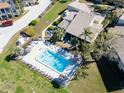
(55, 10)
(50, 16)
(91, 84)
(15, 77)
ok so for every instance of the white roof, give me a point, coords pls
(80, 6)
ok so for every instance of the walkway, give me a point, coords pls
(6, 33)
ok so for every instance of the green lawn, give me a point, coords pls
(55, 10)
(15, 77)
(91, 84)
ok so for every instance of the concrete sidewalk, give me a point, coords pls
(6, 33)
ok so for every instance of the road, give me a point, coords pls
(6, 33)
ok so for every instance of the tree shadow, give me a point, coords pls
(55, 84)
(10, 57)
(61, 12)
(110, 74)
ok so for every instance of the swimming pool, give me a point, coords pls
(53, 60)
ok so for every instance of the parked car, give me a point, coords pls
(7, 22)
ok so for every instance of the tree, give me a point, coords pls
(19, 51)
(15, 53)
(81, 72)
(19, 5)
(58, 34)
(84, 47)
(86, 34)
(74, 41)
(29, 31)
(103, 47)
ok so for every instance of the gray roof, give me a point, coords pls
(119, 47)
(64, 24)
(70, 15)
(80, 22)
(80, 6)
(117, 30)
(121, 20)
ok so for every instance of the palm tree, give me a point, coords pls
(58, 35)
(84, 47)
(86, 34)
(74, 41)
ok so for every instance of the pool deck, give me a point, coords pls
(36, 49)
(30, 59)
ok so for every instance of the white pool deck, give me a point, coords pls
(30, 59)
(36, 49)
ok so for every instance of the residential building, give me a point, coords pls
(118, 43)
(5, 11)
(77, 19)
(29, 2)
(81, 21)
(77, 6)
(119, 47)
(121, 21)
(10, 9)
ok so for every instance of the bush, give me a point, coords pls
(29, 31)
(54, 1)
(56, 23)
(101, 8)
(33, 23)
(63, 1)
(51, 28)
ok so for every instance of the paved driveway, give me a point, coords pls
(6, 33)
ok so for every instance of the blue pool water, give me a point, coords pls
(53, 60)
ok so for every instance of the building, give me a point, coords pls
(77, 6)
(121, 21)
(10, 9)
(30, 2)
(5, 11)
(118, 43)
(81, 21)
(120, 52)
(77, 18)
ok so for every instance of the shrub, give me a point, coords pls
(56, 23)
(33, 23)
(29, 31)
(63, 1)
(51, 28)
(101, 8)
